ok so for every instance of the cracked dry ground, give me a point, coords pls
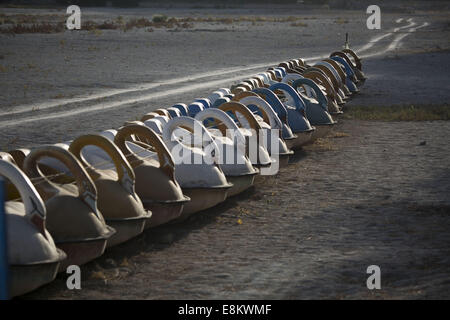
(372, 193)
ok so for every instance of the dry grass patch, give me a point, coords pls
(60, 96)
(230, 20)
(21, 18)
(34, 28)
(399, 113)
(139, 23)
(339, 135)
(157, 21)
(33, 23)
(159, 18)
(341, 20)
(321, 144)
(299, 24)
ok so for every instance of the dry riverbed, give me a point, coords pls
(373, 192)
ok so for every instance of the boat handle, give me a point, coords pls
(319, 93)
(288, 90)
(317, 76)
(242, 95)
(34, 205)
(86, 187)
(126, 176)
(191, 125)
(269, 115)
(166, 162)
(227, 122)
(355, 57)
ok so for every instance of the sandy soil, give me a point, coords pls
(373, 195)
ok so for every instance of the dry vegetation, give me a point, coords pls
(34, 28)
(21, 18)
(299, 24)
(29, 23)
(21, 23)
(229, 20)
(399, 113)
(341, 20)
(339, 135)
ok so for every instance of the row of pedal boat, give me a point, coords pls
(68, 202)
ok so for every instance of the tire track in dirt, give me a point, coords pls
(146, 92)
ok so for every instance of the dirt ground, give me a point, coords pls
(372, 196)
(371, 193)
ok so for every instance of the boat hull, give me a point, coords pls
(163, 212)
(284, 159)
(240, 183)
(26, 278)
(126, 229)
(81, 252)
(202, 199)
